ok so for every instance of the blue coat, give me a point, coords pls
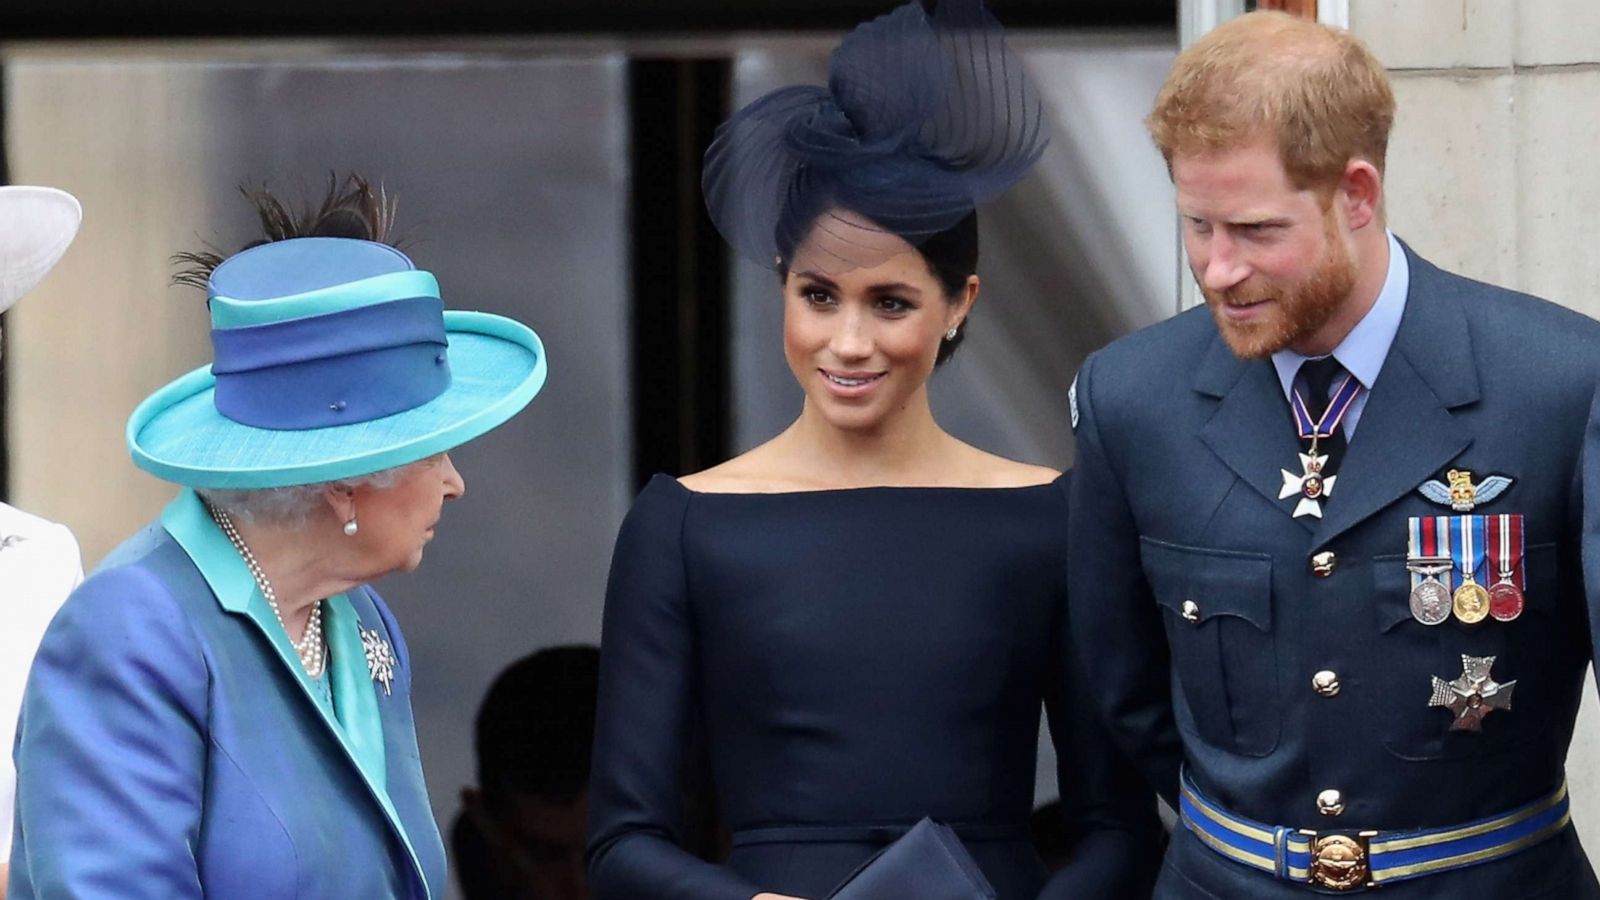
(169, 745)
(1176, 499)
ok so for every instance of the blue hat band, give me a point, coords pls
(338, 368)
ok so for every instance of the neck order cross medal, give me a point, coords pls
(1312, 485)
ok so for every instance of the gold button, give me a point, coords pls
(1191, 611)
(1330, 803)
(1326, 683)
(1322, 564)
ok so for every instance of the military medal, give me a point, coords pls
(1430, 600)
(1473, 695)
(1427, 558)
(1505, 539)
(1312, 485)
(1471, 599)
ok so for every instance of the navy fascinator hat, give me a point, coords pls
(925, 116)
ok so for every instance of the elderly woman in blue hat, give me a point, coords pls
(223, 708)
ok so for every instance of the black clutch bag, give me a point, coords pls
(926, 863)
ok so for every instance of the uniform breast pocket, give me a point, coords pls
(1217, 606)
(1411, 655)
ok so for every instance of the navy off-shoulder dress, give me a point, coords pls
(859, 659)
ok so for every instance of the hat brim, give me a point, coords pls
(37, 224)
(497, 366)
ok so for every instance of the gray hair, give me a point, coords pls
(290, 507)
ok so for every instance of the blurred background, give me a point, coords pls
(546, 160)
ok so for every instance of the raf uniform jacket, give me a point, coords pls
(1180, 446)
(168, 748)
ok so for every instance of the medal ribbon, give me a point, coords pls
(1471, 551)
(1338, 405)
(1441, 528)
(1429, 539)
(1506, 548)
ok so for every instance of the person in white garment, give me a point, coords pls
(39, 560)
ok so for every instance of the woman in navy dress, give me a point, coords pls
(864, 613)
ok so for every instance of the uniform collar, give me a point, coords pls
(1364, 349)
(1430, 370)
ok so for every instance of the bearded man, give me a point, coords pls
(1326, 530)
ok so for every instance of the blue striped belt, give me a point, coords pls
(1349, 860)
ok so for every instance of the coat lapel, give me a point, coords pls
(408, 805)
(1251, 430)
(187, 520)
(1407, 431)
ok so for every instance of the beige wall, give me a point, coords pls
(105, 328)
(1494, 172)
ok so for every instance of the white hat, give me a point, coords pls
(36, 226)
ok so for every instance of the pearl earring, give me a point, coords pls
(951, 334)
(350, 527)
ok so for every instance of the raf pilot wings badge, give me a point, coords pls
(1461, 494)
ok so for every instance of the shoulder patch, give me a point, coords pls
(1072, 401)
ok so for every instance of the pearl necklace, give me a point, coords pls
(310, 647)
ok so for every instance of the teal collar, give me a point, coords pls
(354, 717)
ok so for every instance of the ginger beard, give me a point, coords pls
(1298, 311)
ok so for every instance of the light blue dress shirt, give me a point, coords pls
(1364, 349)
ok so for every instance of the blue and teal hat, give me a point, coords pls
(332, 358)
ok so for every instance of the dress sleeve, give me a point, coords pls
(643, 721)
(1108, 806)
(111, 749)
(1114, 628)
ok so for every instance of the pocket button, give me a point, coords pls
(1326, 683)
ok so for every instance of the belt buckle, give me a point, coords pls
(1340, 862)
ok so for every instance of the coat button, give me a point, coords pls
(1322, 564)
(1330, 803)
(1191, 611)
(1326, 683)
